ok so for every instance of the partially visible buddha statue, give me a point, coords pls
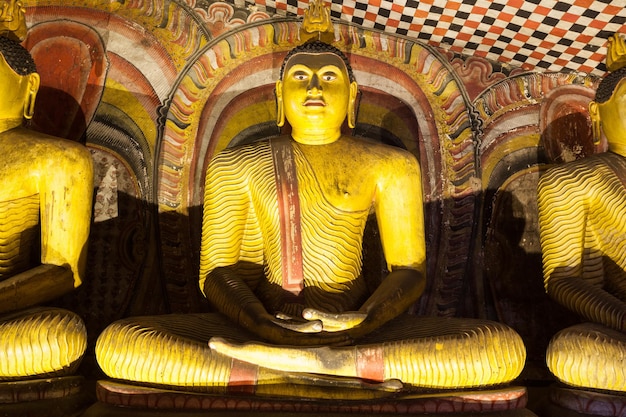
(281, 259)
(582, 219)
(45, 213)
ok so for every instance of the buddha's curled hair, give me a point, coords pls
(18, 58)
(317, 47)
(608, 84)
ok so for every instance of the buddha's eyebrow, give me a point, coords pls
(331, 67)
(299, 68)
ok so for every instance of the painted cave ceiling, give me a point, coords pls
(540, 35)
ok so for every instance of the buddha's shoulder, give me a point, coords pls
(586, 177)
(378, 154)
(241, 158)
(37, 146)
(370, 145)
(244, 151)
(591, 165)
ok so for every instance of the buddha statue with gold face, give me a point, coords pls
(281, 261)
(45, 214)
(582, 219)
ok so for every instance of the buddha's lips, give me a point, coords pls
(313, 102)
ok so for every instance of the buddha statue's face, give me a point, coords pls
(316, 91)
(612, 114)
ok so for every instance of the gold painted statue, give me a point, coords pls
(582, 218)
(45, 214)
(281, 261)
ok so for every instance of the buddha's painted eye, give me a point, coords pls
(300, 76)
(329, 76)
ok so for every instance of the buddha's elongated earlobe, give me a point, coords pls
(280, 111)
(352, 104)
(596, 125)
(29, 107)
(31, 94)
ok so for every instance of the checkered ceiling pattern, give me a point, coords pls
(542, 35)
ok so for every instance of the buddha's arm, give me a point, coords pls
(231, 247)
(399, 213)
(35, 286)
(400, 216)
(228, 292)
(562, 218)
(66, 202)
(591, 302)
(65, 194)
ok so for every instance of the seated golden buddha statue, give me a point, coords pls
(281, 259)
(45, 213)
(582, 219)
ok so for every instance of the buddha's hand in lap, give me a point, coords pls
(284, 330)
(315, 321)
(298, 324)
(335, 322)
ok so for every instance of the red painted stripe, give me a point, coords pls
(289, 207)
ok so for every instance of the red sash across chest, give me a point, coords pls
(289, 213)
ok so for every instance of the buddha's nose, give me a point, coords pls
(314, 86)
